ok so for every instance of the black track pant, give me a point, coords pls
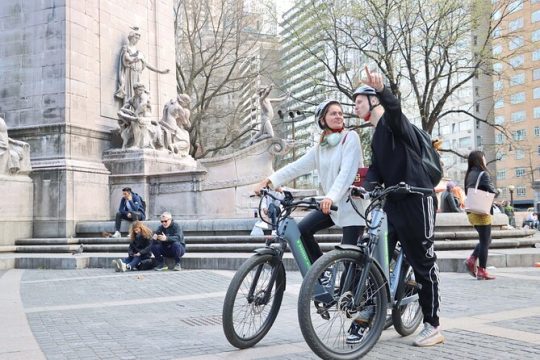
(316, 221)
(411, 221)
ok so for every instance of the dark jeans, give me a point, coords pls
(273, 212)
(316, 221)
(167, 249)
(123, 215)
(481, 249)
(134, 261)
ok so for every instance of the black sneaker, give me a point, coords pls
(356, 334)
(161, 267)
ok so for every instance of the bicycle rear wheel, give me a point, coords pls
(328, 322)
(407, 313)
(252, 303)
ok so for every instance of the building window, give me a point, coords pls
(498, 85)
(536, 74)
(517, 61)
(518, 79)
(515, 24)
(477, 107)
(535, 36)
(497, 49)
(536, 55)
(498, 67)
(536, 112)
(465, 142)
(501, 174)
(478, 140)
(515, 6)
(499, 103)
(535, 16)
(517, 98)
(538, 150)
(520, 172)
(518, 116)
(521, 191)
(536, 93)
(465, 125)
(519, 135)
(520, 154)
(537, 131)
(499, 119)
(515, 43)
(499, 138)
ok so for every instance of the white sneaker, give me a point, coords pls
(116, 234)
(122, 265)
(116, 265)
(429, 336)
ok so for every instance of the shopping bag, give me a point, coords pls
(479, 201)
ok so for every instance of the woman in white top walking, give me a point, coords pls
(336, 158)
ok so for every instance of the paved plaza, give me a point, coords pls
(100, 314)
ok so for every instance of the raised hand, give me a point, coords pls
(373, 79)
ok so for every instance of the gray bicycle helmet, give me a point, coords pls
(319, 111)
(364, 90)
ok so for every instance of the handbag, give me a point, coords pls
(479, 201)
(360, 173)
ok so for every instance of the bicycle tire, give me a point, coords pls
(245, 322)
(318, 331)
(406, 318)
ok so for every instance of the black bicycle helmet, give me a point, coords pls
(364, 90)
(319, 111)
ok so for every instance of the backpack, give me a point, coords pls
(143, 203)
(429, 156)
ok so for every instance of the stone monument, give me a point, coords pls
(58, 84)
(16, 188)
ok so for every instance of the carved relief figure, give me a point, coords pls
(175, 124)
(136, 126)
(14, 154)
(130, 67)
(267, 114)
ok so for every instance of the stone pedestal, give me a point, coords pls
(143, 169)
(16, 208)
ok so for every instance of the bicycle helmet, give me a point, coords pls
(364, 90)
(321, 108)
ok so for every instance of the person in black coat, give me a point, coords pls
(139, 248)
(169, 242)
(449, 203)
(482, 223)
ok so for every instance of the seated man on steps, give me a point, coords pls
(168, 242)
(131, 209)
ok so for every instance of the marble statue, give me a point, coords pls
(267, 114)
(175, 125)
(14, 154)
(136, 127)
(130, 67)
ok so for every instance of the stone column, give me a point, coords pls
(58, 69)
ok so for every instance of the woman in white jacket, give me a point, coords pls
(336, 158)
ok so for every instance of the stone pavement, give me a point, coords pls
(99, 314)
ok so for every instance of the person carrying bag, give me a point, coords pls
(478, 205)
(479, 201)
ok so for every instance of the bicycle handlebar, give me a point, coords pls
(288, 201)
(401, 188)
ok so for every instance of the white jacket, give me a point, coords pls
(337, 167)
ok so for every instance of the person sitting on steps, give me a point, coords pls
(139, 248)
(131, 209)
(168, 242)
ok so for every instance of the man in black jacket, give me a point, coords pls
(168, 242)
(449, 203)
(411, 218)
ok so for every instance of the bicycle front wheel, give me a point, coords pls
(407, 313)
(252, 301)
(332, 325)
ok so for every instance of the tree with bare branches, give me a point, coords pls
(218, 60)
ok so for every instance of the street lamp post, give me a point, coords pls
(511, 188)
